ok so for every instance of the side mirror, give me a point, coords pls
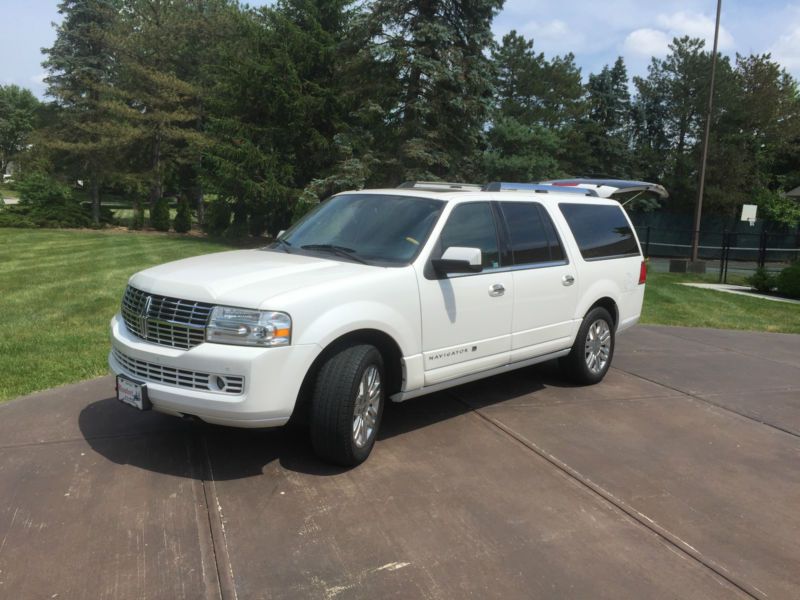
(280, 234)
(458, 260)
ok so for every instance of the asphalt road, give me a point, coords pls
(677, 477)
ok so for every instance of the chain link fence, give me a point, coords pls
(725, 251)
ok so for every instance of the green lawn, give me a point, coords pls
(666, 302)
(59, 289)
(125, 215)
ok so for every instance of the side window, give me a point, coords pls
(601, 230)
(532, 234)
(472, 226)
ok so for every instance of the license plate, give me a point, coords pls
(130, 392)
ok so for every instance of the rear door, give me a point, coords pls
(466, 318)
(545, 282)
(611, 257)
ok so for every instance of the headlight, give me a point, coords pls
(245, 327)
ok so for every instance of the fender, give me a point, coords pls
(337, 321)
(599, 289)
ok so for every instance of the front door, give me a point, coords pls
(466, 318)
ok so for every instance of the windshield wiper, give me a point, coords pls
(338, 250)
(280, 241)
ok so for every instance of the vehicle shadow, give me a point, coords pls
(171, 446)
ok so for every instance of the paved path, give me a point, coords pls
(739, 290)
(677, 477)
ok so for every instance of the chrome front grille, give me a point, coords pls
(165, 321)
(197, 380)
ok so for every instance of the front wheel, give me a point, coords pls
(591, 354)
(347, 405)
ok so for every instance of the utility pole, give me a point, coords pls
(698, 212)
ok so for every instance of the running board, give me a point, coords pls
(403, 396)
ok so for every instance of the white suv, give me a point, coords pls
(378, 295)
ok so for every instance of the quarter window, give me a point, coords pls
(601, 230)
(532, 234)
(472, 226)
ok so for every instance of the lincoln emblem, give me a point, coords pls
(145, 313)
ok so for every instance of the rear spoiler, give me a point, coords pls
(606, 188)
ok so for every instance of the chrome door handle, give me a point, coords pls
(497, 290)
(567, 280)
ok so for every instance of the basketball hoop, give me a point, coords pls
(749, 213)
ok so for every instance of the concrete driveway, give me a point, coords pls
(677, 477)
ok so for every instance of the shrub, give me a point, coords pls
(12, 217)
(238, 228)
(257, 222)
(789, 281)
(45, 202)
(159, 215)
(71, 215)
(217, 217)
(762, 280)
(137, 221)
(183, 218)
(39, 189)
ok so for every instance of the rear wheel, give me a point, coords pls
(591, 354)
(347, 405)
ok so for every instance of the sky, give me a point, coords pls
(595, 31)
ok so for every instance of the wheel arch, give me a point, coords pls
(386, 345)
(610, 305)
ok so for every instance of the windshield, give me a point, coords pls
(372, 228)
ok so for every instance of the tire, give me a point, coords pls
(579, 365)
(340, 402)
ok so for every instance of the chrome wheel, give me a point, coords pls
(598, 346)
(368, 403)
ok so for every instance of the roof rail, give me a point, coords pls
(441, 186)
(605, 188)
(539, 188)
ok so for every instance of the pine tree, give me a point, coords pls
(276, 108)
(80, 67)
(606, 129)
(426, 61)
(669, 113)
(519, 147)
(154, 96)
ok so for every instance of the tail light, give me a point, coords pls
(643, 273)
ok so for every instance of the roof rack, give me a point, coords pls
(441, 186)
(539, 188)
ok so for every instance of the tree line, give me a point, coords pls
(250, 116)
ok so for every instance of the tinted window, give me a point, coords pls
(472, 226)
(532, 235)
(601, 231)
(375, 227)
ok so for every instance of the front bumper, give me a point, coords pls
(272, 378)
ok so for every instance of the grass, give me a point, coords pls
(59, 289)
(125, 215)
(666, 302)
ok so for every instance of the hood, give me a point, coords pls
(244, 278)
